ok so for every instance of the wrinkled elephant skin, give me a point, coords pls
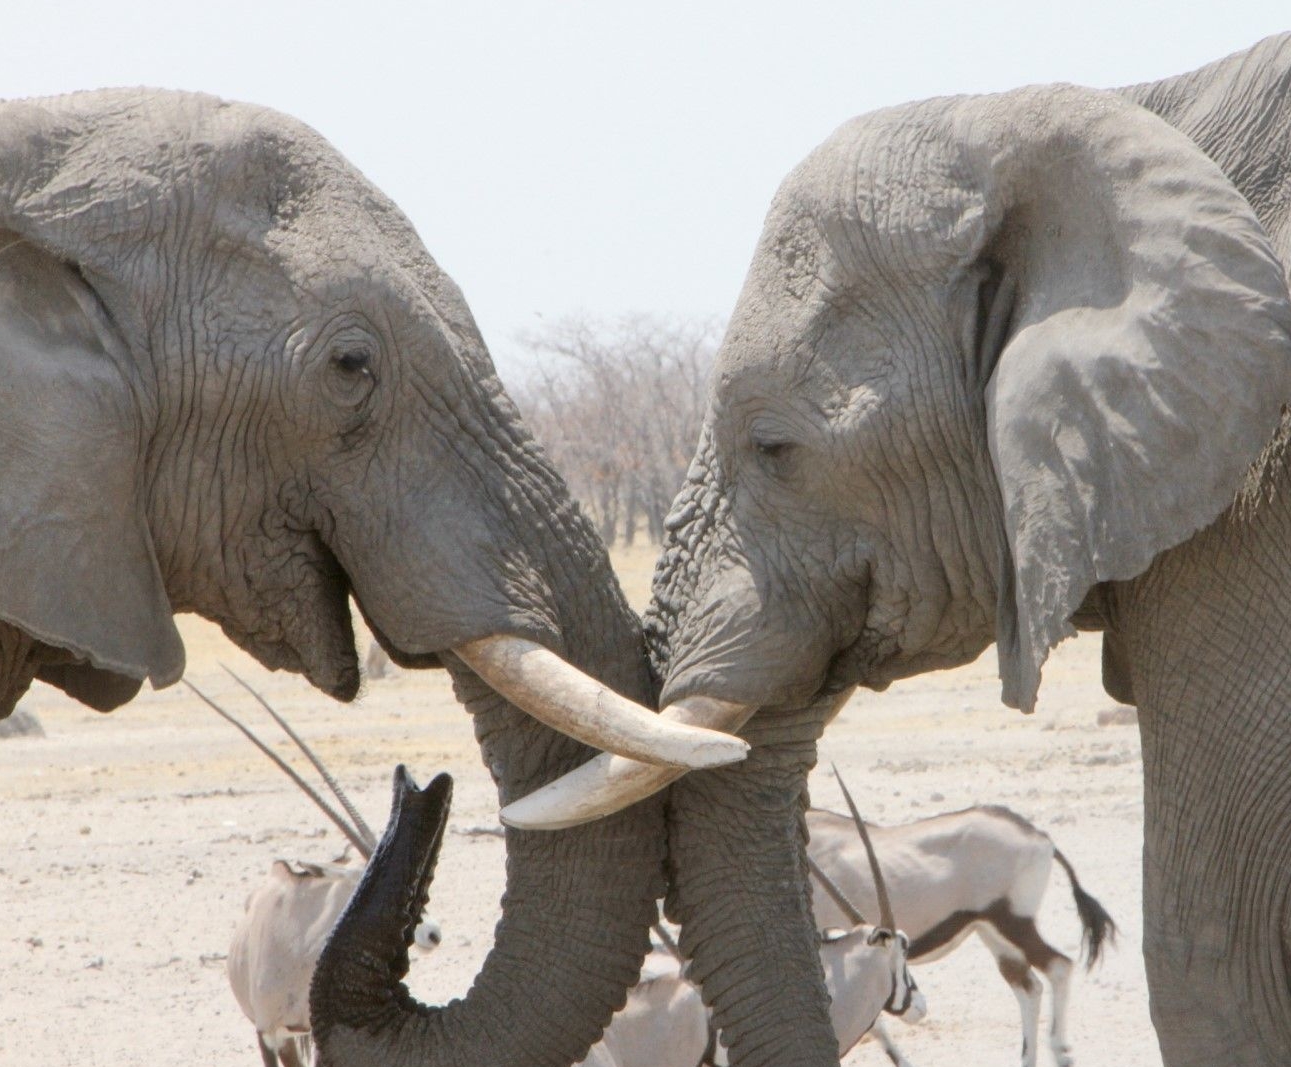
(237, 384)
(996, 363)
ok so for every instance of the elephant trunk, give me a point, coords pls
(737, 837)
(578, 904)
(737, 853)
(726, 640)
(569, 945)
(574, 930)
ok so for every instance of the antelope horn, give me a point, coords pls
(886, 919)
(849, 909)
(669, 942)
(553, 691)
(354, 836)
(356, 819)
(610, 783)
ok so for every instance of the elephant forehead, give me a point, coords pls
(250, 180)
(835, 357)
(881, 187)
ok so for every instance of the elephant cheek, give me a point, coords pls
(749, 649)
(296, 614)
(451, 576)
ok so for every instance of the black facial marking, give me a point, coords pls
(893, 1008)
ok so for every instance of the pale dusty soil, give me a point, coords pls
(129, 842)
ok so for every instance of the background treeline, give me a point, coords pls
(618, 406)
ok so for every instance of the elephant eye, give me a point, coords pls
(355, 361)
(776, 455)
(353, 376)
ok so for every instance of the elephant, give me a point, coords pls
(1003, 368)
(238, 385)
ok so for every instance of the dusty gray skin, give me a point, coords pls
(996, 362)
(237, 384)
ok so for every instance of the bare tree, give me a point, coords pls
(618, 406)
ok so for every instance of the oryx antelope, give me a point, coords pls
(983, 870)
(287, 920)
(665, 1024)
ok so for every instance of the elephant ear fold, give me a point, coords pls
(1142, 361)
(77, 567)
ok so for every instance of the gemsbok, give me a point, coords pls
(665, 1024)
(287, 920)
(983, 870)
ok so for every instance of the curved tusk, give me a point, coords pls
(611, 783)
(539, 682)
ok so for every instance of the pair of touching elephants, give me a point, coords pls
(1002, 366)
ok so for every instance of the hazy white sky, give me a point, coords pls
(606, 157)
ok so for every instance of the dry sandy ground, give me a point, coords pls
(129, 843)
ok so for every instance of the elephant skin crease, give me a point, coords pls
(238, 385)
(998, 358)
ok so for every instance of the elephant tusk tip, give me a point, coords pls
(721, 751)
(520, 816)
(554, 807)
(557, 693)
(609, 783)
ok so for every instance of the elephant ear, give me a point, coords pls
(77, 567)
(1139, 328)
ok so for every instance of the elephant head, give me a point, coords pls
(238, 385)
(993, 354)
(977, 342)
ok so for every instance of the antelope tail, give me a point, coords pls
(1099, 928)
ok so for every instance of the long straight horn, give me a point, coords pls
(362, 827)
(840, 898)
(354, 837)
(668, 942)
(886, 919)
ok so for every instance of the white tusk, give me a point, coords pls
(539, 682)
(610, 783)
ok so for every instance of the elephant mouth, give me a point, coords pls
(705, 692)
(415, 661)
(862, 662)
(296, 615)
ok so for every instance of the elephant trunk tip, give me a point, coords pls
(358, 974)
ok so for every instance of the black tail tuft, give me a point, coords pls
(1100, 930)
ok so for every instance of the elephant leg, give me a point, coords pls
(1216, 882)
(1205, 631)
(17, 668)
(739, 890)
